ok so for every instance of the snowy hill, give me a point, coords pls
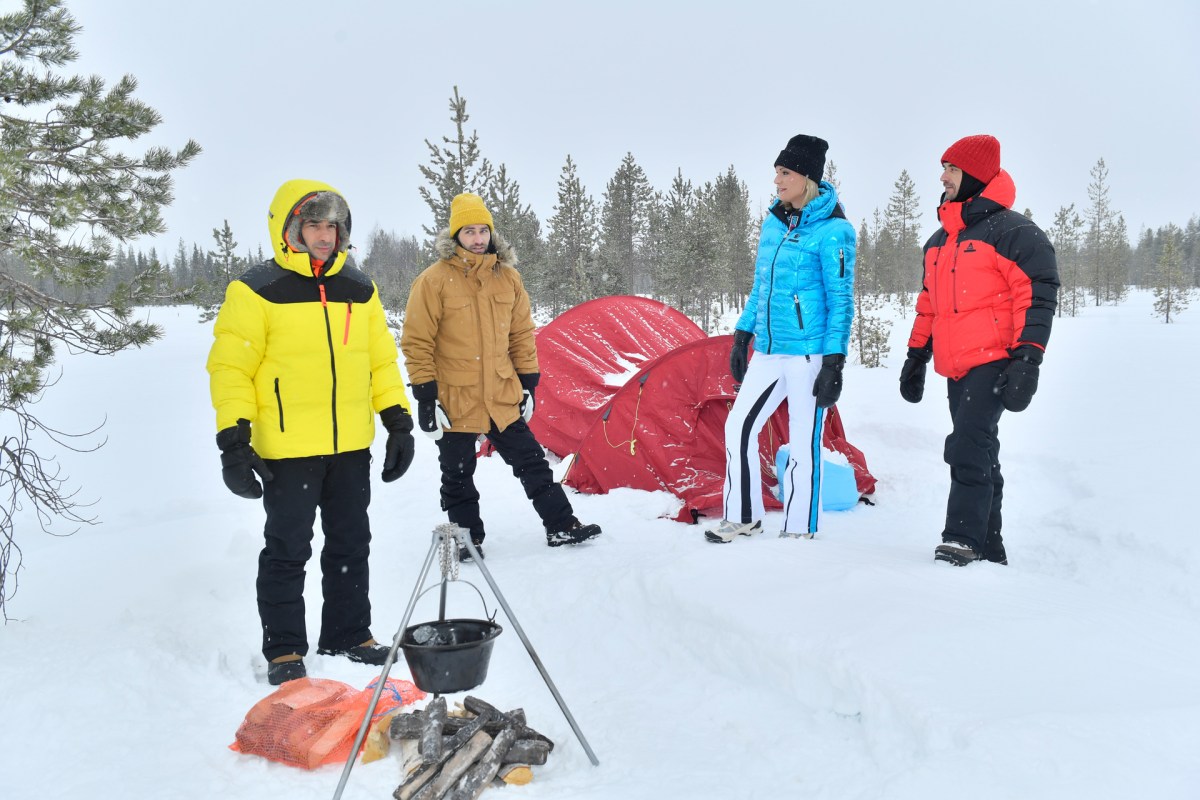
(849, 666)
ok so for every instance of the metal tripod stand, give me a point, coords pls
(449, 535)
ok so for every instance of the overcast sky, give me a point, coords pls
(347, 92)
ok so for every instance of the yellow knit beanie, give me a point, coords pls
(468, 209)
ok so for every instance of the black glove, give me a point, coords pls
(1018, 382)
(239, 462)
(739, 356)
(431, 417)
(529, 382)
(400, 444)
(827, 388)
(912, 374)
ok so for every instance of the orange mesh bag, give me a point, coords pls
(311, 722)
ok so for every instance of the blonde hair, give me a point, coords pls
(811, 190)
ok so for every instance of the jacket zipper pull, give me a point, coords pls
(346, 335)
(321, 287)
(842, 261)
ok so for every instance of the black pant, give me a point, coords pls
(340, 485)
(521, 451)
(973, 453)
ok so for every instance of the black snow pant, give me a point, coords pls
(340, 485)
(973, 453)
(520, 451)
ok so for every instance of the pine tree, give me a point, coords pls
(393, 262)
(570, 277)
(624, 227)
(1066, 236)
(902, 219)
(1172, 285)
(1106, 243)
(452, 167)
(727, 207)
(674, 282)
(69, 190)
(517, 223)
(831, 176)
(869, 335)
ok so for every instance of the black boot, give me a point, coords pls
(572, 532)
(369, 652)
(955, 552)
(464, 555)
(280, 672)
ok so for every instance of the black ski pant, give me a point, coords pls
(973, 453)
(521, 452)
(340, 485)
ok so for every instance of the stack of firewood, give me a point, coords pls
(457, 754)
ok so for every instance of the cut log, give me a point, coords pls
(421, 776)
(477, 705)
(457, 765)
(431, 734)
(407, 726)
(527, 751)
(515, 774)
(480, 776)
(377, 743)
(517, 717)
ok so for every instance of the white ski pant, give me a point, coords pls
(771, 379)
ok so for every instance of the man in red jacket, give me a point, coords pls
(984, 314)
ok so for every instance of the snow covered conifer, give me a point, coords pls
(1172, 285)
(68, 193)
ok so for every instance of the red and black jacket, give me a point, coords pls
(991, 282)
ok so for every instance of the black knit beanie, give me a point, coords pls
(806, 155)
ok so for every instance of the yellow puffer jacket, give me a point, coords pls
(308, 360)
(468, 326)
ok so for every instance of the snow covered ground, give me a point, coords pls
(849, 666)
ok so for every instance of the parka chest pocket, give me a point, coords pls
(502, 303)
(459, 310)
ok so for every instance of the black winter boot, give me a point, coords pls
(282, 671)
(572, 532)
(464, 555)
(369, 652)
(957, 553)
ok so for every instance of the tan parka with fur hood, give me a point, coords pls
(468, 326)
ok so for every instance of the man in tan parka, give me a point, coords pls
(469, 348)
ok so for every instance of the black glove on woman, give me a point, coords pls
(739, 356)
(827, 388)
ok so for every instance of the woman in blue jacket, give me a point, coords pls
(798, 314)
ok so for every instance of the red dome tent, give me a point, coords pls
(665, 430)
(587, 353)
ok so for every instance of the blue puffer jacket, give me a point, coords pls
(802, 300)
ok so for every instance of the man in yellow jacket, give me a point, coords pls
(301, 360)
(469, 349)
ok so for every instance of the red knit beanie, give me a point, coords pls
(978, 156)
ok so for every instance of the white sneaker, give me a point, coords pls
(724, 533)
(786, 535)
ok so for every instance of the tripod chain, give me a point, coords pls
(448, 557)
